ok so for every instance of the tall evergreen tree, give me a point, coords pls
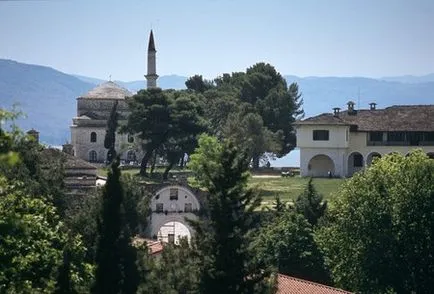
(311, 204)
(110, 135)
(114, 254)
(221, 239)
(63, 284)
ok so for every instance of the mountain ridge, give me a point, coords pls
(48, 96)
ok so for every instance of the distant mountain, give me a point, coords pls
(409, 79)
(45, 95)
(48, 96)
(321, 94)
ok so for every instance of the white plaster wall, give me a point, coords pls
(337, 136)
(171, 210)
(184, 196)
(335, 154)
(178, 229)
(339, 149)
(160, 225)
(358, 143)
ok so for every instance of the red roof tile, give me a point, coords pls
(155, 247)
(291, 285)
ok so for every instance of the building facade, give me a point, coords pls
(341, 143)
(93, 110)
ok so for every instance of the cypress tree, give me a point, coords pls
(221, 239)
(63, 283)
(115, 257)
(110, 134)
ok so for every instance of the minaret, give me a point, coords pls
(152, 76)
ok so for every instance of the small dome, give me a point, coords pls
(108, 90)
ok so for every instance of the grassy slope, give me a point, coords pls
(289, 188)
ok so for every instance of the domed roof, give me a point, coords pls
(107, 90)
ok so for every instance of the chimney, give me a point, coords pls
(351, 110)
(34, 134)
(372, 105)
(336, 111)
(68, 149)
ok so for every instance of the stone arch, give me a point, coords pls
(430, 155)
(172, 204)
(320, 165)
(371, 157)
(175, 226)
(354, 163)
(93, 156)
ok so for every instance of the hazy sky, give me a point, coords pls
(371, 38)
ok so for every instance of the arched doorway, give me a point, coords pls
(355, 163)
(171, 206)
(371, 157)
(320, 166)
(171, 232)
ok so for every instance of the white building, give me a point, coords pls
(344, 142)
(171, 207)
(93, 110)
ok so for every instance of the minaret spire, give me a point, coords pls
(151, 76)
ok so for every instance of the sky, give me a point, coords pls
(99, 38)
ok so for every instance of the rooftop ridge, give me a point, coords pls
(313, 283)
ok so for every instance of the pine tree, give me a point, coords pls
(221, 239)
(115, 257)
(310, 204)
(110, 135)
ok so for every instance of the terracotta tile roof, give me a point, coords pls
(108, 90)
(155, 247)
(395, 118)
(71, 162)
(291, 285)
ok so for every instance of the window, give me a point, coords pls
(159, 207)
(93, 157)
(357, 160)
(395, 136)
(171, 238)
(376, 136)
(130, 139)
(320, 135)
(131, 155)
(173, 194)
(93, 137)
(346, 135)
(188, 207)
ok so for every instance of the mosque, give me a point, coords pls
(93, 110)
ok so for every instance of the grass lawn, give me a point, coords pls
(289, 188)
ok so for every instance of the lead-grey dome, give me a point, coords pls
(108, 90)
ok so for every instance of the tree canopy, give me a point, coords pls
(378, 237)
(221, 240)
